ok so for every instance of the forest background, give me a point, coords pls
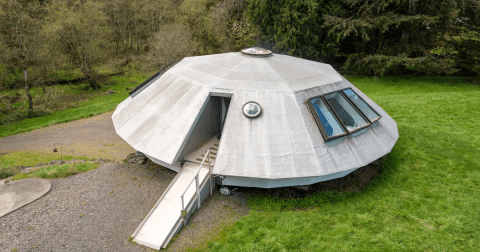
(45, 43)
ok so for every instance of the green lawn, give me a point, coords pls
(57, 171)
(32, 158)
(426, 199)
(95, 103)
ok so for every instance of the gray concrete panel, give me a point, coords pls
(273, 183)
(21, 192)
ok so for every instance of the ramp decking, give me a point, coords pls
(165, 218)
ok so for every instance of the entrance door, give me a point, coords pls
(207, 131)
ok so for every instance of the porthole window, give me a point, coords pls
(252, 109)
(340, 113)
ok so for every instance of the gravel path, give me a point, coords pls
(99, 210)
(94, 137)
(110, 202)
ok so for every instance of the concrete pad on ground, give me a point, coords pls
(21, 192)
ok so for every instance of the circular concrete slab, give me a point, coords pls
(21, 192)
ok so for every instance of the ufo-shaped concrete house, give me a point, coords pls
(268, 120)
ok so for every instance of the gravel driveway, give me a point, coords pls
(93, 137)
(99, 210)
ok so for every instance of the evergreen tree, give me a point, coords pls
(293, 25)
(465, 39)
(376, 37)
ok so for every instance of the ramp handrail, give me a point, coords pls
(197, 192)
(156, 204)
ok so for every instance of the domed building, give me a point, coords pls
(314, 124)
(266, 120)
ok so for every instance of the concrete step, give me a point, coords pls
(198, 155)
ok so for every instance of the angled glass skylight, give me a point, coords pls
(361, 105)
(341, 112)
(351, 119)
(331, 127)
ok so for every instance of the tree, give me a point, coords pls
(79, 29)
(20, 39)
(293, 25)
(465, 38)
(133, 23)
(406, 36)
(232, 25)
(376, 37)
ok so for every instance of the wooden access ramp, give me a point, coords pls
(192, 185)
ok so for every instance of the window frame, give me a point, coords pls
(335, 115)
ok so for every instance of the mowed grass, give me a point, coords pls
(96, 103)
(57, 171)
(9, 162)
(426, 199)
(33, 158)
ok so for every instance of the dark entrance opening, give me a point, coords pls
(209, 125)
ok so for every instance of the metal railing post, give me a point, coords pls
(197, 191)
(183, 207)
(197, 187)
(210, 174)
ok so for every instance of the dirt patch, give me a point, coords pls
(353, 182)
(216, 213)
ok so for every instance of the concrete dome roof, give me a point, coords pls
(284, 142)
(237, 71)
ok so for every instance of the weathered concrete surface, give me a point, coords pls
(283, 145)
(21, 192)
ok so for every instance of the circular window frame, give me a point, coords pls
(254, 115)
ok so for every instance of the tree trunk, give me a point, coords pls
(27, 90)
(90, 76)
(93, 82)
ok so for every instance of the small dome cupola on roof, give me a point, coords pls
(256, 51)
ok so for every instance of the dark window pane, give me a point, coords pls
(345, 112)
(331, 125)
(362, 105)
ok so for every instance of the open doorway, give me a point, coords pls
(206, 132)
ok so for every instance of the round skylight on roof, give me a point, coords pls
(256, 51)
(252, 109)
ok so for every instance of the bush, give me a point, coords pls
(19, 115)
(5, 173)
